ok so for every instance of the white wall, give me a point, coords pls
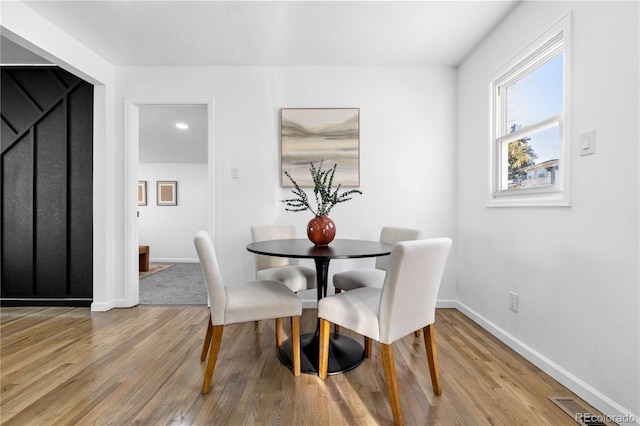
(574, 268)
(407, 147)
(169, 230)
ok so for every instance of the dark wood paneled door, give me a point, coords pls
(47, 187)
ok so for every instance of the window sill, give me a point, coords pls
(529, 199)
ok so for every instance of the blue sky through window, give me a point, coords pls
(536, 97)
(546, 144)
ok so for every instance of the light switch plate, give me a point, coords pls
(588, 142)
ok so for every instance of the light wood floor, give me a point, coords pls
(141, 366)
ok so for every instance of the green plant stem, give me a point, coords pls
(325, 197)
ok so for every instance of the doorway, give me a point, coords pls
(47, 192)
(162, 152)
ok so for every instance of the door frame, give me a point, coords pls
(131, 158)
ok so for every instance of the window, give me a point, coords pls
(529, 143)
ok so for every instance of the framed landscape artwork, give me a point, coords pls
(314, 134)
(167, 192)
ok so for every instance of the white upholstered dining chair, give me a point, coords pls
(406, 302)
(374, 277)
(243, 302)
(286, 270)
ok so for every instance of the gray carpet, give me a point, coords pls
(182, 284)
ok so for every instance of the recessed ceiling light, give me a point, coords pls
(182, 126)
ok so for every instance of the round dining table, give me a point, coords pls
(344, 352)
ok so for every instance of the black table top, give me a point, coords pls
(302, 248)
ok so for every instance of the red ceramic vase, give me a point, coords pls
(321, 230)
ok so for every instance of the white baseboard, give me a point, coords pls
(106, 306)
(446, 304)
(603, 403)
(102, 306)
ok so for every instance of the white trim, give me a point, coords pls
(102, 306)
(545, 49)
(533, 197)
(107, 306)
(548, 123)
(130, 190)
(446, 304)
(47, 64)
(104, 254)
(131, 142)
(564, 377)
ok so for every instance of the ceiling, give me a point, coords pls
(260, 33)
(160, 141)
(277, 33)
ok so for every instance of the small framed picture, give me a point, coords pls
(167, 192)
(142, 192)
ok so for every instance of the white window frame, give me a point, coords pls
(554, 41)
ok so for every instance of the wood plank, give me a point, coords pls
(142, 366)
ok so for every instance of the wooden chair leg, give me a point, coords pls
(416, 333)
(432, 357)
(367, 347)
(388, 364)
(213, 356)
(279, 332)
(323, 356)
(207, 339)
(336, 327)
(295, 344)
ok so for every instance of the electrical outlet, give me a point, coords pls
(513, 301)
